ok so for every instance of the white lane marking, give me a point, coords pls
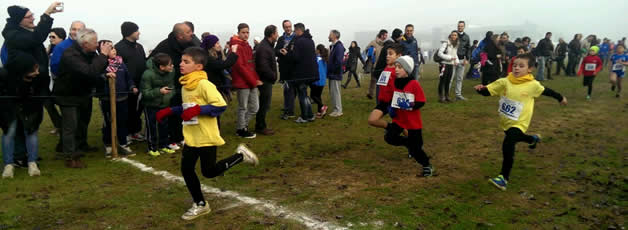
(264, 206)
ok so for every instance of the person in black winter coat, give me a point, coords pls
(135, 60)
(25, 50)
(285, 68)
(303, 56)
(216, 66)
(21, 111)
(352, 63)
(266, 67)
(80, 70)
(181, 37)
(574, 55)
(543, 51)
(561, 53)
(491, 69)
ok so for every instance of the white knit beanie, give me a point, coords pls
(406, 62)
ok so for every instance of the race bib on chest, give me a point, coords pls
(510, 108)
(618, 67)
(400, 98)
(384, 77)
(194, 120)
(590, 67)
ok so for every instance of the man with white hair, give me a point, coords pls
(80, 70)
(57, 52)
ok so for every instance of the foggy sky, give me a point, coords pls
(156, 18)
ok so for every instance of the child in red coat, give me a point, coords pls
(591, 65)
(408, 98)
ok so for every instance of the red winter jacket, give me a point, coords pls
(594, 61)
(243, 72)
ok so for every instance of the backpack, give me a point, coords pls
(437, 58)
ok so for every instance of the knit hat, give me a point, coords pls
(595, 49)
(16, 14)
(128, 28)
(396, 34)
(406, 62)
(209, 42)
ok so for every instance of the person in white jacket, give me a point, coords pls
(448, 53)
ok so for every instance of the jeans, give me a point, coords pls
(157, 133)
(248, 105)
(288, 99)
(415, 72)
(541, 68)
(265, 98)
(209, 167)
(458, 77)
(304, 102)
(8, 144)
(336, 98)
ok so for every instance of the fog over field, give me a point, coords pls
(532, 17)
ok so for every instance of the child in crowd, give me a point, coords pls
(385, 84)
(407, 99)
(21, 115)
(157, 91)
(618, 68)
(202, 103)
(316, 92)
(124, 84)
(518, 92)
(591, 65)
(520, 50)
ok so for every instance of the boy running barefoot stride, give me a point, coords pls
(518, 92)
(202, 103)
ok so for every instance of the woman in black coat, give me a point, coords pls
(352, 63)
(216, 67)
(492, 68)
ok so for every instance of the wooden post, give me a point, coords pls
(114, 127)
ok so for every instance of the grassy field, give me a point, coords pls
(340, 170)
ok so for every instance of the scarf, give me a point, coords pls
(400, 83)
(114, 64)
(520, 80)
(190, 81)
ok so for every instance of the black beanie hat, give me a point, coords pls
(396, 33)
(16, 14)
(128, 28)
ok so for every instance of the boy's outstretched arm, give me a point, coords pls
(207, 110)
(551, 93)
(161, 114)
(482, 90)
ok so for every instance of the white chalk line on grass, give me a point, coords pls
(261, 205)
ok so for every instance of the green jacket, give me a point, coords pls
(152, 81)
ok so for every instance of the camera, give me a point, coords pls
(59, 7)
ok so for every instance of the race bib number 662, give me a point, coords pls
(510, 109)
